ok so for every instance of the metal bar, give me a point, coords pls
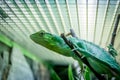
(11, 26)
(68, 11)
(39, 13)
(16, 4)
(44, 16)
(12, 29)
(17, 18)
(14, 36)
(104, 20)
(77, 11)
(60, 14)
(16, 26)
(8, 34)
(53, 18)
(29, 10)
(113, 20)
(86, 19)
(96, 21)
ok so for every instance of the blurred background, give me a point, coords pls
(92, 20)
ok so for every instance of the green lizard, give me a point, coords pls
(98, 58)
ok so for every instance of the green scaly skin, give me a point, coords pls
(99, 59)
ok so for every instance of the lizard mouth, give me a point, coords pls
(32, 37)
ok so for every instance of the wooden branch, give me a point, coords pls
(114, 31)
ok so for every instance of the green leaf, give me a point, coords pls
(54, 75)
(87, 74)
(70, 73)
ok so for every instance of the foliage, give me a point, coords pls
(70, 73)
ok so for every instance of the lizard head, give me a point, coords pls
(51, 41)
(46, 39)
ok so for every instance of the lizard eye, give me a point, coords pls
(42, 33)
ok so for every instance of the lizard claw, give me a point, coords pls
(74, 49)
